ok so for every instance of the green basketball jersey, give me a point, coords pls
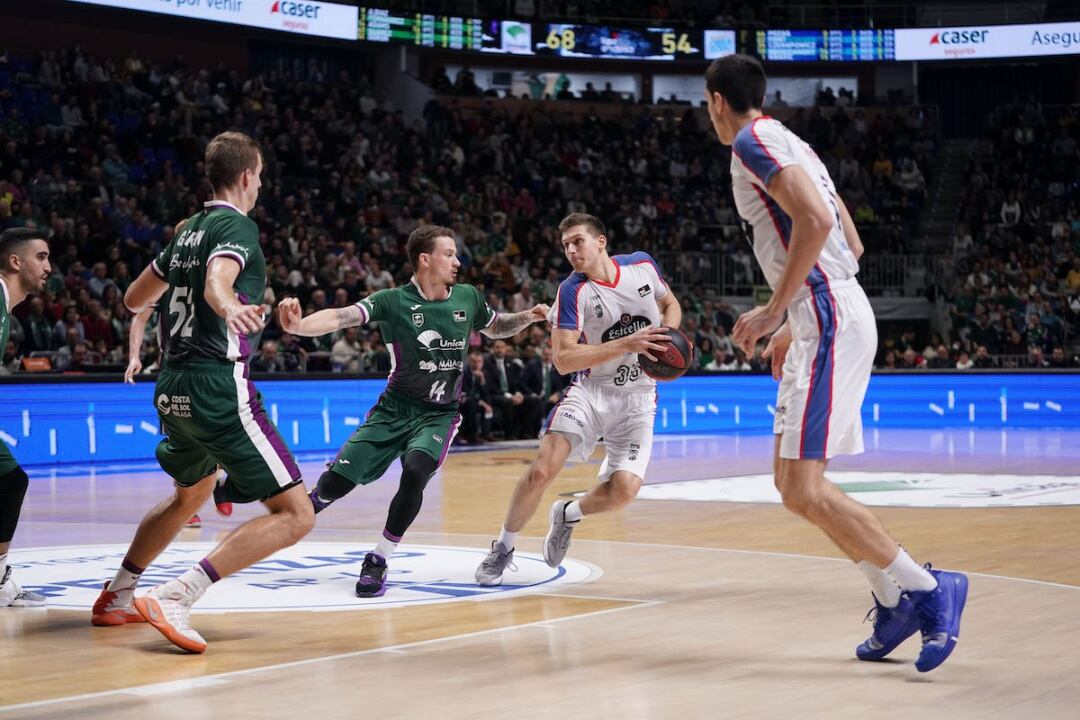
(5, 316)
(189, 327)
(428, 340)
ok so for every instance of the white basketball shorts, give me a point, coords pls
(827, 369)
(624, 420)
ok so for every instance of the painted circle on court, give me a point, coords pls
(310, 576)
(890, 489)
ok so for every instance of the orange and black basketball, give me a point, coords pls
(676, 359)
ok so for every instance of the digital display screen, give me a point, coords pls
(98, 421)
(445, 31)
(826, 45)
(608, 41)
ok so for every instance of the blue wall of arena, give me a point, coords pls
(48, 422)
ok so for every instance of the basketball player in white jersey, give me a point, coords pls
(808, 249)
(604, 314)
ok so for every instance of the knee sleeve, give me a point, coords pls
(417, 469)
(12, 491)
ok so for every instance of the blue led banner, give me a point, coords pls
(47, 423)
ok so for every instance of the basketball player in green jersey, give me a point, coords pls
(210, 280)
(24, 268)
(426, 324)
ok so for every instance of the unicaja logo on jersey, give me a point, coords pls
(431, 341)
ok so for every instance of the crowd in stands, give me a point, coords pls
(106, 155)
(1012, 277)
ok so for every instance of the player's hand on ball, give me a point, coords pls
(134, 368)
(647, 341)
(244, 319)
(777, 350)
(754, 325)
(539, 312)
(289, 314)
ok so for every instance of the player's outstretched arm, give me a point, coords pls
(319, 323)
(510, 324)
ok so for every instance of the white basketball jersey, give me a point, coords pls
(603, 312)
(761, 149)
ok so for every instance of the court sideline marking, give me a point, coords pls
(219, 678)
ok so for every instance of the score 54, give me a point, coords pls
(672, 43)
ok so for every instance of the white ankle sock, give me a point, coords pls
(507, 538)
(385, 548)
(882, 585)
(3, 565)
(908, 574)
(123, 580)
(196, 581)
(573, 511)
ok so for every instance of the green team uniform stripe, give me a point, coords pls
(7, 460)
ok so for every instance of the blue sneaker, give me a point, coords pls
(317, 503)
(372, 582)
(892, 626)
(939, 612)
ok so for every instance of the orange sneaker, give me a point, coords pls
(194, 522)
(109, 610)
(168, 610)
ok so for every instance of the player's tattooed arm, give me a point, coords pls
(319, 323)
(350, 316)
(509, 324)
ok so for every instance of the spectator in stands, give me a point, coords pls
(268, 360)
(964, 361)
(347, 352)
(983, 360)
(477, 411)
(1059, 360)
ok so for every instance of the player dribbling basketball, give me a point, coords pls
(607, 312)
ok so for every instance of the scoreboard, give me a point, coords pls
(608, 41)
(826, 45)
(444, 31)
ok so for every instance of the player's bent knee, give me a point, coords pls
(14, 483)
(625, 487)
(540, 475)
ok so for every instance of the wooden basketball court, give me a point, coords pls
(691, 608)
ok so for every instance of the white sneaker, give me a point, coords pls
(168, 608)
(557, 541)
(492, 567)
(11, 595)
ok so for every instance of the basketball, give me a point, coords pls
(674, 361)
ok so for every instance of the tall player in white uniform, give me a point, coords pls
(607, 311)
(808, 249)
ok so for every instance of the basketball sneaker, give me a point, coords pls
(168, 608)
(557, 541)
(372, 582)
(492, 567)
(115, 608)
(194, 522)
(12, 595)
(892, 626)
(939, 612)
(317, 503)
(221, 497)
